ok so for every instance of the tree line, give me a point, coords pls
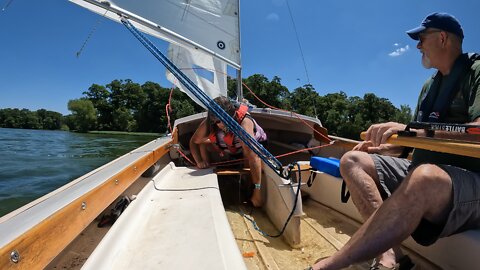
(40, 119)
(124, 105)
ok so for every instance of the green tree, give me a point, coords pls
(127, 99)
(404, 115)
(304, 100)
(126, 94)
(331, 110)
(270, 92)
(125, 105)
(84, 115)
(151, 117)
(49, 119)
(123, 120)
(100, 97)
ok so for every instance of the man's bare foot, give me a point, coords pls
(256, 198)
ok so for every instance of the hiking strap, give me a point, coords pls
(311, 178)
(344, 194)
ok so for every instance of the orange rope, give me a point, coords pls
(184, 156)
(296, 115)
(168, 109)
(231, 162)
(270, 106)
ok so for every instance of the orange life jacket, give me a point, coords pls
(229, 137)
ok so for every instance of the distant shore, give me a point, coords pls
(126, 133)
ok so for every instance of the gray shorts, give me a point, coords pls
(465, 212)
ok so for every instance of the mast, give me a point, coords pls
(239, 70)
(239, 86)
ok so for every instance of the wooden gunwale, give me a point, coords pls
(39, 245)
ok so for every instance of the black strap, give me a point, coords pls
(405, 152)
(311, 178)
(345, 194)
(254, 123)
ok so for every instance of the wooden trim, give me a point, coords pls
(243, 171)
(303, 167)
(463, 148)
(43, 242)
(347, 144)
(175, 135)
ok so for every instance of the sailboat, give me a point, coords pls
(179, 217)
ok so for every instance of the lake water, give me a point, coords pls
(35, 162)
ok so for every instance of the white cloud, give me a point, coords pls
(399, 51)
(273, 17)
(396, 44)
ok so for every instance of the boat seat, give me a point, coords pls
(176, 222)
(326, 165)
(329, 166)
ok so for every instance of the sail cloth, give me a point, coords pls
(211, 26)
(208, 73)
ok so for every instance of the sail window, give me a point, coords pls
(204, 73)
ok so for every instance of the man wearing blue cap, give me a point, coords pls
(434, 195)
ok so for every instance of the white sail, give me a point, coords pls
(208, 73)
(211, 26)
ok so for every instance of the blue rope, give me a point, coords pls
(254, 223)
(211, 105)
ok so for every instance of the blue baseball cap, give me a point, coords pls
(442, 21)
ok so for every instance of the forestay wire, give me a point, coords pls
(211, 105)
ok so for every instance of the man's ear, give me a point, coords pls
(443, 38)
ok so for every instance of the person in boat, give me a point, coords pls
(434, 195)
(212, 135)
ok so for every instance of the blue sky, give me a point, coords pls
(351, 46)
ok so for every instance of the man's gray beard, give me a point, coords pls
(426, 62)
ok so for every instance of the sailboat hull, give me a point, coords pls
(162, 225)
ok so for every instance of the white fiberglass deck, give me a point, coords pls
(176, 222)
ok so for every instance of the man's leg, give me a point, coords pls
(359, 172)
(425, 193)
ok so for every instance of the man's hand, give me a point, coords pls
(383, 149)
(379, 133)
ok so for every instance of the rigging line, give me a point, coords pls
(254, 223)
(233, 125)
(187, 7)
(7, 4)
(242, 134)
(298, 41)
(95, 27)
(241, 160)
(291, 112)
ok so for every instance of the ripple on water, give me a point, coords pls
(35, 162)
